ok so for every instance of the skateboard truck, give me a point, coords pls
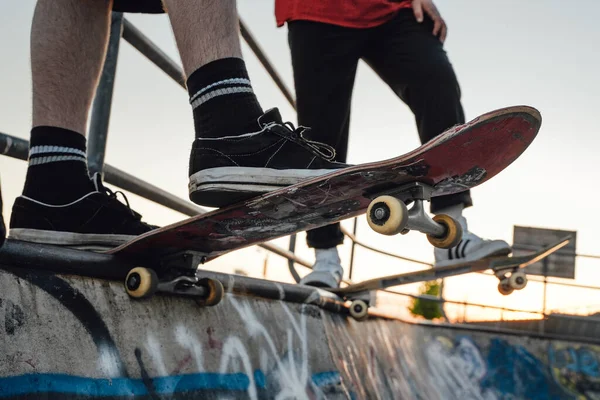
(517, 280)
(178, 276)
(388, 214)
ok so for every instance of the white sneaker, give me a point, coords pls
(470, 248)
(327, 270)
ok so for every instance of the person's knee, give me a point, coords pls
(441, 72)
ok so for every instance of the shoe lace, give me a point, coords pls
(113, 195)
(322, 149)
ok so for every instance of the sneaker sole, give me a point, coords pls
(494, 249)
(88, 241)
(220, 187)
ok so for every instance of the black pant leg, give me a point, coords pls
(413, 62)
(324, 60)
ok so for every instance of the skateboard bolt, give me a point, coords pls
(133, 282)
(380, 213)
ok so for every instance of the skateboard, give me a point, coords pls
(460, 158)
(505, 268)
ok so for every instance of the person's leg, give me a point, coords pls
(239, 151)
(324, 59)
(68, 44)
(60, 203)
(413, 62)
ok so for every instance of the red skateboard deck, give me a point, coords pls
(460, 158)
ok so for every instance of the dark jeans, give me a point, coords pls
(406, 56)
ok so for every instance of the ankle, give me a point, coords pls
(327, 260)
(57, 172)
(222, 99)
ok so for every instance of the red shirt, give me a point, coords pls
(348, 13)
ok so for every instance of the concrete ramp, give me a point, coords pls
(68, 337)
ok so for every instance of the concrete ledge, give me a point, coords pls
(69, 337)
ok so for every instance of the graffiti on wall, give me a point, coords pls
(499, 370)
(576, 368)
(252, 362)
(273, 356)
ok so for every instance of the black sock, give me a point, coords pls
(222, 99)
(57, 172)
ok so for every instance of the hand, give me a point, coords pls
(439, 25)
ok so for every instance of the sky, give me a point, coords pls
(541, 53)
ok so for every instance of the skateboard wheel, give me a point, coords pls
(359, 310)
(141, 282)
(453, 234)
(387, 215)
(504, 289)
(517, 280)
(216, 292)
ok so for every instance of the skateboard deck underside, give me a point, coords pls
(494, 263)
(459, 159)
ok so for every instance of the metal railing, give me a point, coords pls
(122, 28)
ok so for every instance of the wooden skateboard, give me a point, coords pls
(506, 269)
(458, 159)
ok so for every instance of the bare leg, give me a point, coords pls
(68, 46)
(205, 31)
(60, 204)
(239, 150)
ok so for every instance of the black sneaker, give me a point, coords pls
(230, 169)
(96, 221)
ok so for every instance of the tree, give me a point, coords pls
(427, 309)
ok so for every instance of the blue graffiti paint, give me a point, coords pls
(512, 370)
(582, 361)
(326, 378)
(104, 387)
(60, 383)
(260, 379)
(563, 359)
(588, 363)
(45, 383)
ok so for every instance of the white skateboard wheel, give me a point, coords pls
(359, 310)
(387, 215)
(141, 282)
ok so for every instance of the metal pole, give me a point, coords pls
(291, 266)
(545, 283)
(543, 322)
(102, 102)
(14, 147)
(144, 45)
(352, 249)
